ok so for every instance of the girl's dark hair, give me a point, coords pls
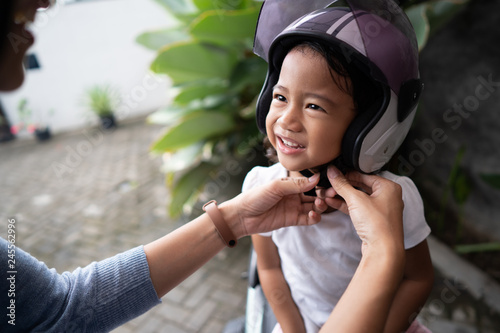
(353, 80)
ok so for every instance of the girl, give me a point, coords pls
(336, 93)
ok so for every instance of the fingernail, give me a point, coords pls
(330, 193)
(314, 178)
(333, 172)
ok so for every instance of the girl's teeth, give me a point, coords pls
(290, 144)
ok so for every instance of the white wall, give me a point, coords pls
(81, 44)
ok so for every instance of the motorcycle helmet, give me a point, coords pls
(375, 36)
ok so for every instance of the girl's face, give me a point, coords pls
(18, 40)
(309, 113)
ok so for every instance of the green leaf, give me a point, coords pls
(191, 61)
(458, 181)
(204, 5)
(188, 186)
(179, 7)
(200, 90)
(221, 102)
(248, 72)
(491, 179)
(461, 187)
(418, 17)
(480, 247)
(155, 40)
(168, 115)
(441, 12)
(225, 27)
(183, 158)
(195, 127)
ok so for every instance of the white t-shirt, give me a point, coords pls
(319, 261)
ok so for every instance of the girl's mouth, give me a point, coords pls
(288, 146)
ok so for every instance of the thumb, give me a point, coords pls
(339, 183)
(289, 185)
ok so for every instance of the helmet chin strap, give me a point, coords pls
(323, 177)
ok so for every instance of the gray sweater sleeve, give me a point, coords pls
(95, 298)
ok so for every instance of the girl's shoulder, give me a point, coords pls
(260, 175)
(407, 185)
(411, 195)
(415, 226)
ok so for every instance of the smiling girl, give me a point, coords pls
(319, 91)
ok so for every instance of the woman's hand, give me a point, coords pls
(376, 211)
(376, 208)
(178, 254)
(277, 204)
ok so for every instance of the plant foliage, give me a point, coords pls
(215, 77)
(101, 99)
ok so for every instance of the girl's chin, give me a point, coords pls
(294, 163)
(293, 167)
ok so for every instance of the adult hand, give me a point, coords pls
(277, 204)
(178, 254)
(376, 210)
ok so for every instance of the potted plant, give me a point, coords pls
(39, 129)
(103, 100)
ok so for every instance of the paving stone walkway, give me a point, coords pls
(87, 195)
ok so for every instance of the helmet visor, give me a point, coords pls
(276, 15)
(386, 35)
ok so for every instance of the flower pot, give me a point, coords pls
(108, 122)
(42, 134)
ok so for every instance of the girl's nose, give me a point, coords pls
(290, 119)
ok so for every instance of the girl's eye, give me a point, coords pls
(315, 107)
(279, 97)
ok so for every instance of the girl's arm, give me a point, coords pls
(414, 289)
(275, 286)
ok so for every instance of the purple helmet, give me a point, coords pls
(378, 38)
